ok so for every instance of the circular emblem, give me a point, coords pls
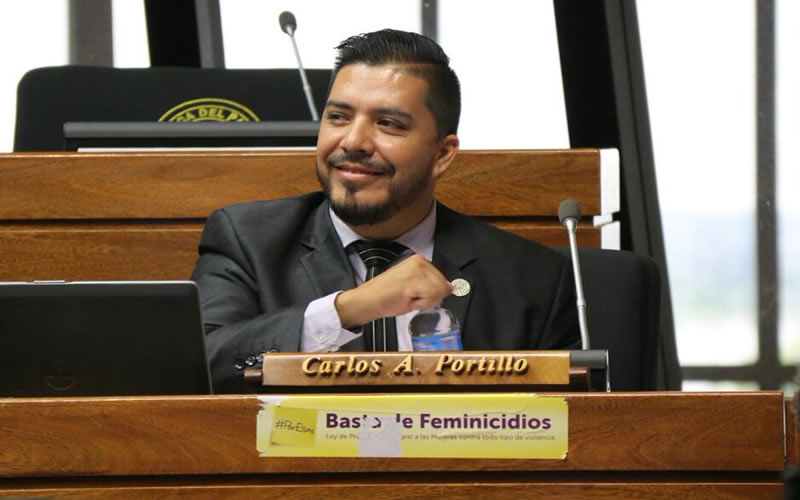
(209, 109)
(460, 287)
(58, 375)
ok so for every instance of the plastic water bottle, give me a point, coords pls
(435, 329)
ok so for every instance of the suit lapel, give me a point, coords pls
(453, 257)
(326, 264)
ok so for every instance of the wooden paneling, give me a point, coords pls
(414, 485)
(108, 250)
(191, 185)
(145, 185)
(216, 435)
(622, 445)
(102, 251)
(551, 233)
(792, 435)
(519, 183)
(99, 216)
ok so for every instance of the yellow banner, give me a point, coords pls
(414, 425)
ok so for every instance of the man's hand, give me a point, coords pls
(410, 285)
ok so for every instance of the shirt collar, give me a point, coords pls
(419, 239)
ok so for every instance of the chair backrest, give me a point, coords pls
(623, 312)
(49, 97)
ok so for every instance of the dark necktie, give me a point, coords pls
(379, 335)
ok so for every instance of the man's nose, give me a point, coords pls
(358, 138)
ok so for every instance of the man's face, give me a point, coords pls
(377, 151)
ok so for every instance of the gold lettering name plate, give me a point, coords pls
(414, 368)
(464, 425)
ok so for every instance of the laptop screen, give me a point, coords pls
(101, 338)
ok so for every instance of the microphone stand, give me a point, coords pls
(304, 78)
(288, 25)
(569, 213)
(571, 224)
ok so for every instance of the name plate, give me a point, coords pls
(414, 368)
(462, 425)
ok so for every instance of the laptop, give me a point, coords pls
(101, 338)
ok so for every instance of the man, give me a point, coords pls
(284, 275)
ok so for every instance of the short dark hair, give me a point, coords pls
(425, 59)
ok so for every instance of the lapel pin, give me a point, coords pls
(460, 287)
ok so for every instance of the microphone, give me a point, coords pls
(289, 26)
(569, 214)
(288, 22)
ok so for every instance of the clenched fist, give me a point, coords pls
(413, 284)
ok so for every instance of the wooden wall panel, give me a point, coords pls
(147, 251)
(98, 216)
(104, 251)
(191, 185)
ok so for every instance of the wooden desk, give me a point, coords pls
(650, 445)
(95, 216)
(792, 435)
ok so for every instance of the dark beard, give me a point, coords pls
(359, 215)
(399, 196)
(355, 215)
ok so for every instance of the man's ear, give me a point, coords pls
(447, 151)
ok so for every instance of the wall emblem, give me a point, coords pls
(209, 109)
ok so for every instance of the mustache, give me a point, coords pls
(360, 159)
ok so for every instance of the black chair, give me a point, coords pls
(623, 313)
(49, 97)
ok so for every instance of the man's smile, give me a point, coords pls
(359, 170)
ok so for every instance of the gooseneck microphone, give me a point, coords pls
(289, 26)
(569, 214)
(288, 22)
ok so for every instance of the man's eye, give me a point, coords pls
(391, 124)
(336, 116)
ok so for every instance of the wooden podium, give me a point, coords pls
(630, 445)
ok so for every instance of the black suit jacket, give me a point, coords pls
(262, 263)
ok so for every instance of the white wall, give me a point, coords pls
(34, 34)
